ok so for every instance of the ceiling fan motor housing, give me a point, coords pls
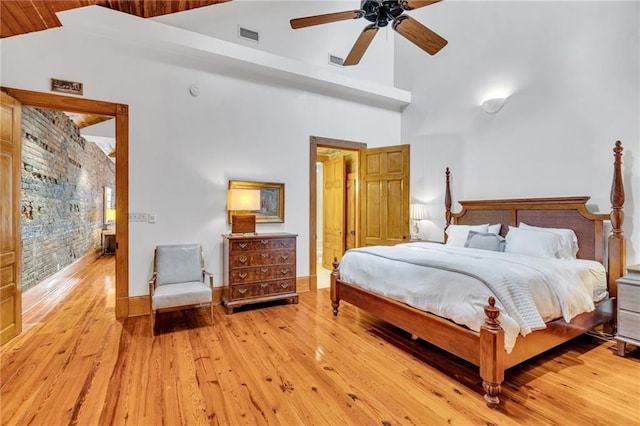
(381, 12)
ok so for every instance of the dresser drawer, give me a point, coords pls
(261, 258)
(629, 324)
(261, 273)
(629, 297)
(263, 289)
(262, 243)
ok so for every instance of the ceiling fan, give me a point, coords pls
(381, 13)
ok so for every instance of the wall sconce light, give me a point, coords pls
(417, 212)
(241, 202)
(491, 106)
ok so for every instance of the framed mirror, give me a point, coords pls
(271, 200)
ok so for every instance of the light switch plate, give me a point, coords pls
(137, 217)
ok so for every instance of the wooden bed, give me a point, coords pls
(486, 348)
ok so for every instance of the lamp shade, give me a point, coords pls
(243, 199)
(418, 211)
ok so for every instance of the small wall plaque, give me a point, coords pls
(65, 86)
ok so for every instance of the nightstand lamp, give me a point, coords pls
(241, 203)
(417, 212)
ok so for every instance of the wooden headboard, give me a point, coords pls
(559, 212)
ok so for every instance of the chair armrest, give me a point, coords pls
(210, 278)
(152, 283)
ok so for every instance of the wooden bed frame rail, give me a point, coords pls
(486, 348)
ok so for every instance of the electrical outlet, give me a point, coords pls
(152, 218)
(137, 217)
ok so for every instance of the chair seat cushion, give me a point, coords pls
(181, 294)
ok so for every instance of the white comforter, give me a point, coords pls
(558, 287)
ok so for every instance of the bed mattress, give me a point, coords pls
(425, 276)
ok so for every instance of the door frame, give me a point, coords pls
(314, 143)
(121, 114)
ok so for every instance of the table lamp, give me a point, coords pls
(417, 212)
(241, 203)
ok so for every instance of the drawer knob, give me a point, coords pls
(284, 271)
(264, 255)
(242, 290)
(242, 245)
(242, 275)
(264, 285)
(264, 270)
(264, 242)
(243, 260)
(284, 256)
(284, 285)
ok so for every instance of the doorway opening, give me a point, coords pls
(121, 115)
(333, 204)
(67, 195)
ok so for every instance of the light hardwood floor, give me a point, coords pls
(282, 365)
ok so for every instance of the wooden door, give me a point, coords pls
(384, 195)
(333, 210)
(10, 245)
(351, 224)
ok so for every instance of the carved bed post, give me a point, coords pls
(492, 354)
(335, 298)
(616, 241)
(447, 202)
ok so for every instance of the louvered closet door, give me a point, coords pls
(10, 249)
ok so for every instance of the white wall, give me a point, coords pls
(183, 149)
(571, 71)
(311, 45)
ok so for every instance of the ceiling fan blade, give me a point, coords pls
(416, 4)
(418, 34)
(309, 21)
(361, 45)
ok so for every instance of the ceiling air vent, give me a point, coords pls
(335, 60)
(248, 34)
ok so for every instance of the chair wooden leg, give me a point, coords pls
(152, 320)
(211, 308)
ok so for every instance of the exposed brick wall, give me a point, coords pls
(63, 176)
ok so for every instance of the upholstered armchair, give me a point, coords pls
(178, 280)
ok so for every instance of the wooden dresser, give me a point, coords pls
(258, 268)
(629, 309)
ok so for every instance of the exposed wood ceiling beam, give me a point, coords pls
(25, 16)
(85, 120)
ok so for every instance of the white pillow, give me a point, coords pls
(533, 243)
(457, 234)
(569, 248)
(495, 229)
